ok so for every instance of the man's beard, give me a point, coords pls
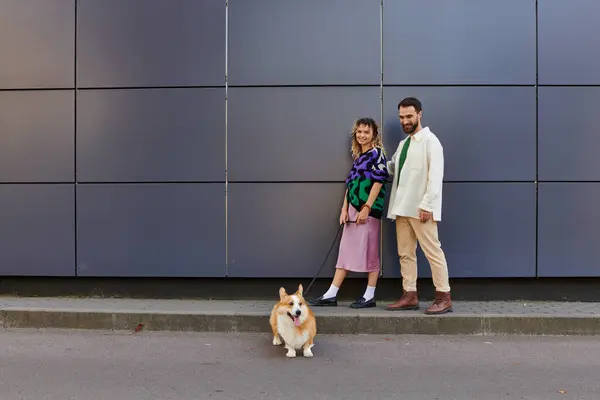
(409, 129)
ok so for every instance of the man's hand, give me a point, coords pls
(424, 216)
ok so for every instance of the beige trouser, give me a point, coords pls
(408, 232)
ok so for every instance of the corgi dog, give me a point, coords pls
(294, 322)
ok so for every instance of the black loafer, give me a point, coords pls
(320, 302)
(362, 303)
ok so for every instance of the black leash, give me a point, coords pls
(327, 256)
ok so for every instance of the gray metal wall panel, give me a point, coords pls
(38, 230)
(37, 43)
(37, 136)
(150, 43)
(151, 230)
(569, 48)
(487, 231)
(568, 230)
(151, 135)
(488, 133)
(299, 133)
(568, 119)
(310, 42)
(273, 232)
(459, 42)
(294, 134)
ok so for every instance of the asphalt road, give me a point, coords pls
(59, 365)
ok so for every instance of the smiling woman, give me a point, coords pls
(361, 214)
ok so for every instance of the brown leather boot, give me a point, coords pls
(408, 301)
(441, 305)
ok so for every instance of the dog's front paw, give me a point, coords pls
(291, 353)
(308, 353)
(276, 341)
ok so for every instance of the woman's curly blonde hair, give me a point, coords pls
(377, 142)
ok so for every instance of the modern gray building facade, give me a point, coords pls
(205, 138)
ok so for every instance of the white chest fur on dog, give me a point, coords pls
(290, 334)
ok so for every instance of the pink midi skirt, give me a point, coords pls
(359, 247)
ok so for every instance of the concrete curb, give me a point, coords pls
(389, 324)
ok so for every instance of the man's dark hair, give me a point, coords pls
(411, 101)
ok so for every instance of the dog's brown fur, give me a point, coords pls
(301, 336)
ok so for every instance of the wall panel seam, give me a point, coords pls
(166, 87)
(75, 97)
(226, 139)
(537, 213)
(32, 89)
(381, 122)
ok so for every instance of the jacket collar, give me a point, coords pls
(422, 133)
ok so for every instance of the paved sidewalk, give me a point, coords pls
(469, 318)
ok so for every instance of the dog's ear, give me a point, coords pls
(282, 292)
(300, 289)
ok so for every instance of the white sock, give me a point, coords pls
(369, 293)
(332, 292)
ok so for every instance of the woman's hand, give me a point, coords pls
(363, 215)
(343, 216)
